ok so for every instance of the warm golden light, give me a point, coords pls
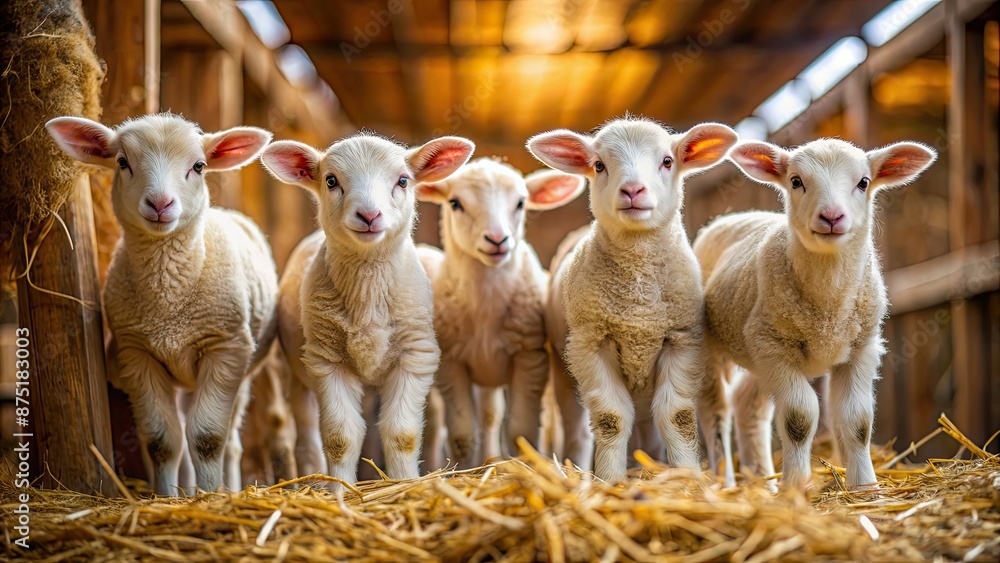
(537, 28)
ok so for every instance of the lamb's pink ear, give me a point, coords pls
(564, 150)
(234, 148)
(84, 140)
(438, 159)
(899, 164)
(549, 189)
(293, 163)
(761, 161)
(704, 146)
(436, 192)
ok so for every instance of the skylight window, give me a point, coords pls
(297, 67)
(893, 19)
(832, 66)
(265, 21)
(784, 105)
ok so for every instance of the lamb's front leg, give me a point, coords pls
(531, 375)
(679, 371)
(401, 420)
(341, 422)
(308, 440)
(233, 454)
(612, 412)
(578, 442)
(852, 402)
(492, 405)
(796, 416)
(459, 411)
(715, 414)
(221, 372)
(153, 401)
(754, 418)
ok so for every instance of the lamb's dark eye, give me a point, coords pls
(455, 204)
(199, 167)
(863, 184)
(797, 183)
(331, 181)
(668, 162)
(402, 181)
(599, 166)
(520, 204)
(122, 163)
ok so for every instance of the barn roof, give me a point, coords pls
(499, 71)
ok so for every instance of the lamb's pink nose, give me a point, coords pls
(633, 190)
(369, 216)
(160, 203)
(831, 217)
(496, 239)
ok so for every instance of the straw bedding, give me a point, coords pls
(531, 509)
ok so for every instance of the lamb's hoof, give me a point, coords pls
(864, 487)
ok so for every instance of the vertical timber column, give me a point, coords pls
(128, 40)
(857, 102)
(69, 396)
(966, 185)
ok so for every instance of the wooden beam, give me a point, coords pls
(956, 275)
(966, 160)
(226, 24)
(121, 30)
(69, 400)
(857, 103)
(127, 38)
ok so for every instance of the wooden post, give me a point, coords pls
(966, 159)
(215, 104)
(127, 38)
(857, 101)
(69, 407)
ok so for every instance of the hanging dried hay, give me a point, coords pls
(48, 68)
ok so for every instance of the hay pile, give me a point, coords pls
(530, 509)
(49, 69)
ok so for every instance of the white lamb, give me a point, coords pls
(794, 296)
(631, 288)
(489, 302)
(191, 289)
(366, 305)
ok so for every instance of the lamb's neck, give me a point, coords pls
(167, 265)
(368, 280)
(827, 279)
(654, 245)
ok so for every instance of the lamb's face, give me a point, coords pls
(483, 210)
(829, 185)
(159, 183)
(484, 206)
(366, 190)
(365, 184)
(828, 200)
(160, 162)
(636, 167)
(636, 184)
